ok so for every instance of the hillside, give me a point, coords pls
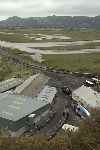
(53, 21)
(14, 63)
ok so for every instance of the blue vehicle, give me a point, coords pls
(81, 111)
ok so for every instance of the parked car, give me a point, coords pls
(80, 110)
(89, 83)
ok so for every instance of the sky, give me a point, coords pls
(33, 8)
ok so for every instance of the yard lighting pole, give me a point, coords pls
(98, 86)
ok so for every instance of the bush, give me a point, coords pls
(87, 138)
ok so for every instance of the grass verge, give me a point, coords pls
(76, 62)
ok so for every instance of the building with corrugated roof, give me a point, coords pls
(16, 111)
(10, 84)
(29, 102)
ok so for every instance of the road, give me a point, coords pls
(37, 53)
(42, 44)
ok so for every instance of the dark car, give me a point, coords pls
(66, 91)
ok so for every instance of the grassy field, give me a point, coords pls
(18, 34)
(13, 63)
(81, 62)
(86, 35)
(76, 62)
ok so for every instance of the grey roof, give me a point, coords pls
(87, 96)
(10, 83)
(15, 107)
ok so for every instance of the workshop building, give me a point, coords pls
(16, 109)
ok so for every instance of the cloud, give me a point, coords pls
(28, 8)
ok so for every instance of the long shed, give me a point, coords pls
(10, 84)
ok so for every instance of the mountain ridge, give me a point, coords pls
(52, 21)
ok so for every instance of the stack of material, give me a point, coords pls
(47, 94)
(70, 128)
